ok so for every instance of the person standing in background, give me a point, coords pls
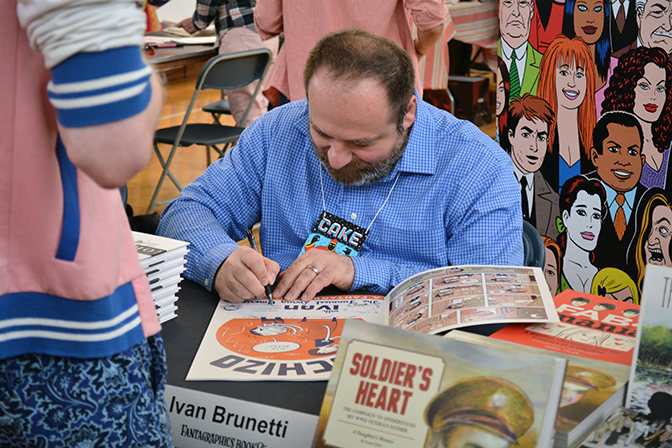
(304, 22)
(81, 360)
(235, 32)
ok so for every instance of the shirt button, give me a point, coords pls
(353, 216)
(206, 282)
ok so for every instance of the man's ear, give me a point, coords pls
(510, 134)
(593, 156)
(409, 118)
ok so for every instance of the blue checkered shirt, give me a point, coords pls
(226, 14)
(456, 201)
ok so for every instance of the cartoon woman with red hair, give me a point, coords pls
(642, 85)
(567, 83)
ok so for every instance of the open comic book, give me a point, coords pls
(394, 388)
(597, 336)
(296, 341)
(650, 383)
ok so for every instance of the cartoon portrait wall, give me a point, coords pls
(584, 108)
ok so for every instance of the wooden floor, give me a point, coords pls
(189, 162)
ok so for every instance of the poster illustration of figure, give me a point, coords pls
(529, 120)
(601, 61)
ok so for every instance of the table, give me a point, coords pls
(164, 58)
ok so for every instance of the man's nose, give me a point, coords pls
(515, 9)
(338, 155)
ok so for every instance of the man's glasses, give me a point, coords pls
(521, 4)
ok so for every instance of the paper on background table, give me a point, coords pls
(205, 40)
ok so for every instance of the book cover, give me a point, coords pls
(650, 386)
(153, 249)
(290, 341)
(597, 336)
(393, 388)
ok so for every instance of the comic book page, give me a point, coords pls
(395, 388)
(293, 341)
(650, 386)
(440, 299)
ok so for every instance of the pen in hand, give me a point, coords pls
(253, 245)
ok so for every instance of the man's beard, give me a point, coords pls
(359, 172)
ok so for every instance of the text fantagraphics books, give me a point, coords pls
(296, 341)
(163, 262)
(398, 388)
(597, 336)
(650, 385)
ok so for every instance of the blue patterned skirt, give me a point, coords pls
(48, 401)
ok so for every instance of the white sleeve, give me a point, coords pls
(61, 28)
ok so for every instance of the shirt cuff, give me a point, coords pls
(370, 274)
(211, 262)
(96, 88)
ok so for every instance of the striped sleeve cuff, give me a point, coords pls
(96, 88)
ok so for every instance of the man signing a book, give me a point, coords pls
(360, 185)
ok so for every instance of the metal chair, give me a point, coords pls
(218, 108)
(223, 72)
(533, 247)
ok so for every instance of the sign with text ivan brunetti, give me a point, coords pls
(203, 420)
(382, 392)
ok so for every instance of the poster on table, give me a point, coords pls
(289, 341)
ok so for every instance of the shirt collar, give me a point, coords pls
(611, 195)
(519, 174)
(420, 156)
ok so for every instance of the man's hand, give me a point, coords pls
(244, 275)
(313, 271)
(188, 25)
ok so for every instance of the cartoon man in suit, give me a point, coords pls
(617, 156)
(520, 57)
(622, 24)
(529, 120)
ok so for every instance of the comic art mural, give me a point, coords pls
(584, 108)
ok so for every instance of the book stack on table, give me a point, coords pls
(596, 335)
(163, 261)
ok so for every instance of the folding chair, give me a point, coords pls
(218, 108)
(223, 72)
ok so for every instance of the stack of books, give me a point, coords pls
(163, 260)
(596, 335)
